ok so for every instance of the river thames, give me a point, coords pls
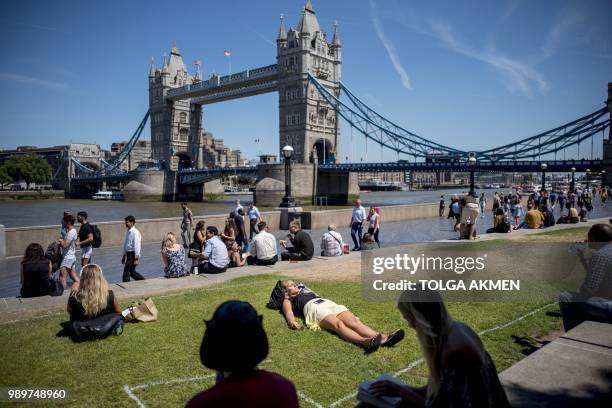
(49, 212)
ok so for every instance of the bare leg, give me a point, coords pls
(353, 323)
(333, 324)
(62, 277)
(73, 275)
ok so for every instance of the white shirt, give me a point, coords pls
(238, 207)
(70, 251)
(263, 246)
(132, 242)
(359, 214)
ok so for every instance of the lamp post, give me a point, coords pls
(588, 173)
(543, 166)
(603, 179)
(472, 164)
(288, 201)
(573, 182)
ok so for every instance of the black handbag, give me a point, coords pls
(98, 328)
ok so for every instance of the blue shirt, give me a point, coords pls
(253, 213)
(216, 251)
(359, 214)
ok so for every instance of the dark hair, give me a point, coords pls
(184, 203)
(200, 225)
(234, 340)
(34, 252)
(82, 214)
(232, 214)
(240, 211)
(367, 237)
(600, 233)
(69, 219)
(212, 229)
(499, 211)
(262, 225)
(130, 218)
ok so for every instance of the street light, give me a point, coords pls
(288, 201)
(603, 179)
(573, 182)
(588, 173)
(543, 166)
(472, 164)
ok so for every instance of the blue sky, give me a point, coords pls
(469, 74)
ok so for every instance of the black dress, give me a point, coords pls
(36, 280)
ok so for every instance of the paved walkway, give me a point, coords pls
(12, 308)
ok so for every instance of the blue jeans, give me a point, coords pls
(596, 309)
(356, 229)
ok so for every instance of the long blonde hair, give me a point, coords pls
(426, 311)
(169, 241)
(92, 293)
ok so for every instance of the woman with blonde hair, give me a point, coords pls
(173, 257)
(461, 371)
(93, 298)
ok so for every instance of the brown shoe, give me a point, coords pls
(373, 344)
(394, 338)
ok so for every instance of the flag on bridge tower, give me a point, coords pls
(226, 53)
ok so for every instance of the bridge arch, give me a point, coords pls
(325, 151)
(183, 159)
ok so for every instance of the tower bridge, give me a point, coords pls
(312, 102)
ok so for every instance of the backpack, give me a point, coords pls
(99, 327)
(97, 236)
(54, 254)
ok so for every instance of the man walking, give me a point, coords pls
(357, 220)
(86, 238)
(131, 250)
(483, 204)
(186, 225)
(254, 218)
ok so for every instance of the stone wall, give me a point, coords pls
(113, 233)
(302, 176)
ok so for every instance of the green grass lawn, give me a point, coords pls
(159, 361)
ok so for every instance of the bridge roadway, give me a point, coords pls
(198, 176)
(391, 234)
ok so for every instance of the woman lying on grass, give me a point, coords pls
(323, 313)
(461, 372)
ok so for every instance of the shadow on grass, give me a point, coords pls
(529, 344)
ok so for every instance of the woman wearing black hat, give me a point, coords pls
(234, 343)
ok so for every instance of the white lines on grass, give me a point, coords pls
(130, 394)
(309, 400)
(420, 360)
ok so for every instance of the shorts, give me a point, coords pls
(318, 309)
(470, 211)
(86, 252)
(68, 263)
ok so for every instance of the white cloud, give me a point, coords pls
(558, 34)
(44, 83)
(389, 47)
(520, 76)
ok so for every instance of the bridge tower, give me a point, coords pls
(307, 122)
(175, 125)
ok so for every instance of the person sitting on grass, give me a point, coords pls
(593, 300)
(368, 242)
(214, 258)
(235, 257)
(173, 257)
(319, 313)
(302, 249)
(36, 274)
(461, 371)
(500, 223)
(234, 343)
(263, 247)
(92, 298)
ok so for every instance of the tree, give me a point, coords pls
(29, 168)
(4, 177)
(245, 181)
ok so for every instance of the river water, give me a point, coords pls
(49, 212)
